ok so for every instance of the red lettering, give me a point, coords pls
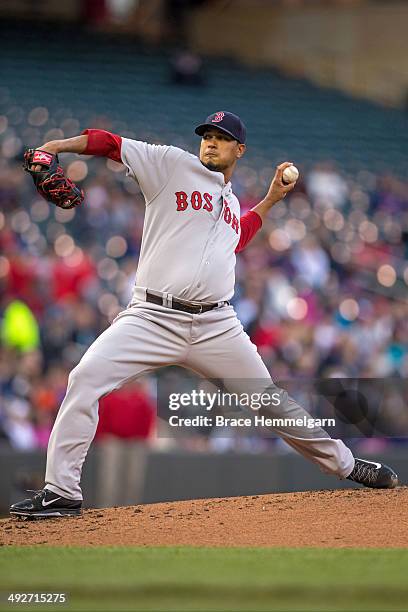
(235, 223)
(196, 200)
(181, 200)
(208, 202)
(227, 215)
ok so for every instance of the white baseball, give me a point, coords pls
(290, 174)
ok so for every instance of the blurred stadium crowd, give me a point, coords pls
(321, 290)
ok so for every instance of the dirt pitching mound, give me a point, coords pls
(345, 518)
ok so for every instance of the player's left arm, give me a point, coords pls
(252, 221)
(90, 142)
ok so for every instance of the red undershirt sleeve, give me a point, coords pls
(103, 144)
(250, 223)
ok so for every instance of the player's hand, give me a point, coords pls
(278, 189)
(50, 180)
(49, 147)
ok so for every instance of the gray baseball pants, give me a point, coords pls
(144, 337)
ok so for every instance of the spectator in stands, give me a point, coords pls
(126, 424)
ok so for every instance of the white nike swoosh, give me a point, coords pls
(45, 504)
(377, 465)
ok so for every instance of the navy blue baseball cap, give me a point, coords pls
(226, 122)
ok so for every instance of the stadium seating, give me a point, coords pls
(89, 76)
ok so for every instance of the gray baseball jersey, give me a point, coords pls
(191, 226)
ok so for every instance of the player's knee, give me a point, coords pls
(79, 375)
(73, 377)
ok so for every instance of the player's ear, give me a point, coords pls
(241, 150)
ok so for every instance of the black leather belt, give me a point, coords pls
(176, 304)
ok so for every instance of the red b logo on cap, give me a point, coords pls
(218, 117)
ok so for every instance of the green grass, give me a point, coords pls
(183, 578)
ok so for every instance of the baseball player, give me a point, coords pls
(179, 313)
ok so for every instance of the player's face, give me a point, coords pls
(219, 151)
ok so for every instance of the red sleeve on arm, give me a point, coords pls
(251, 222)
(103, 144)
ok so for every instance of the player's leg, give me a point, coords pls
(139, 341)
(223, 351)
(136, 343)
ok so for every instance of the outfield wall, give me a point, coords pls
(177, 475)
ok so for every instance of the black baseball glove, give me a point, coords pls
(50, 180)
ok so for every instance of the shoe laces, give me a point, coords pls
(365, 473)
(37, 492)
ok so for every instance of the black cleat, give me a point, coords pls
(46, 504)
(373, 474)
